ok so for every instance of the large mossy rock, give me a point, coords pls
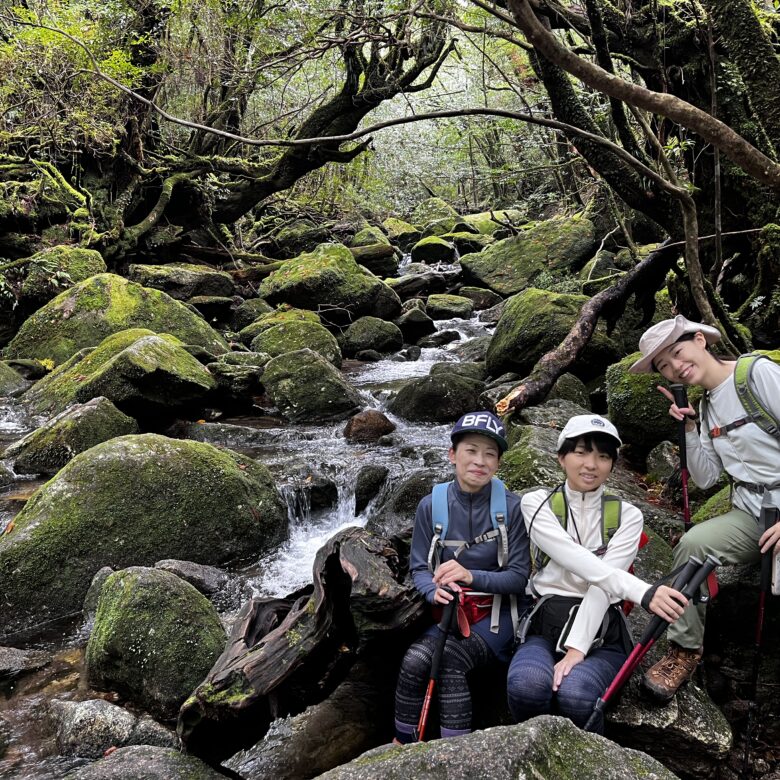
(371, 333)
(102, 305)
(534, 322)
(432, 250)
(368, 236)
(544, 747)
(130, 502)
(137, 370)
(155, 638)
(433, 210)
(404, 234)
(280, 316)
(447, 307)
(329, 280)
(439, 398)
(81, 426)
(11, 381)
(307, 388)
(295, 335)
(556, 245)
(485, 221)
(51, 267)
(183, 280)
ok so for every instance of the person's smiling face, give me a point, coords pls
(586, 469)
(476, 459)
(684, 361)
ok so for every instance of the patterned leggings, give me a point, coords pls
(460, 657)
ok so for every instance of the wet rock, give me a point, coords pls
(140, 372)
(371, 333)
(415, 324)
(281, 316)
(236, 383)
(368, 356)
(438, 398)
(207, 580)
(439, 339)
(155, 637)
(447, 307)
(492, 315)
(16, 663)
(183, 280)
(570, 388)
(424, 283)
(294, 335)
(29, 369)
(89, 606)
(132, 501)
(6, 475)
(145, 762)
(404, 234)
(81, 426)
(380, 259)
(662, 462)
(467, 241)
(481, 297)
(432, 250)
(432, 210)
(367, 426)
(89, 728)
(367, 485)
(492, 221)
(11, 382)
(411, 353)
(213, 308)
(530, 460)
(474, 370)
(5, 736)
(103, 305)
(306, 387)
(248, 311)
(473, 350)
(546, 746)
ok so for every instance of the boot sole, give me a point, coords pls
(660, 695)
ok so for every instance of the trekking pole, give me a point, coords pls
(449, 617)
(681, 399)
(769, 516)
(688, 583)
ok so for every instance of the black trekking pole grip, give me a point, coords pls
(680, 395)
(704, 571)
(690, 568)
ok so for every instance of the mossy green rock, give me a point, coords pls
(433, 249)
(466, 242)
(481, 297)
(369, 236)
(132, 369)
(183, 280)
(438, 398)
(534, 322)
(371, 333)
(329, 279)
(154, 640)
(404, 234)
(484, 223)
(307, 388)
(11, 382)
(132, 501)
(556, 245)
(431, 210)
(294, 335)
(530, 460)
(72, 263)
(99, 306)
(276, 317)
(81, 426)
(446, 307)
(247, 312)
(716, 505)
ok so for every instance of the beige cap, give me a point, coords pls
(581, 424)
(663, 335)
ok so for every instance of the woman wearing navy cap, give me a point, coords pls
(476, 550)
(575, 640)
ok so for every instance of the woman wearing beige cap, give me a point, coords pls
(583, 542)
(732, 440)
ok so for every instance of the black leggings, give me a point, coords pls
(460, 657)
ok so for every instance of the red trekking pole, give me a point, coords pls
(688, 583)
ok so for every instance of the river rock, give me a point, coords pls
(492, 315)
(404, 234)
(89, 728)
(662, 462)
(146, 762)
(422, 283)
(531, 459)
(306, 387)
(81, 426)
(415, 324)
(132, 501)
(536, 321)
(491, 221)
(368, 236)
(438, 339)
(474, 350)
(544, 747)
(556, 245)
(183, 280)
(248, 311)
(16, 663)
(5, 736)
(155, 637)
(89, 605)
(432, 250)
(367, 426)
(570, 388)
(447, 307)
(439, 398)
(281, 316)
(369, 481)
(238, 377)
(11, 382)
(474, 370)
(481, 297)
(295, 335)
(140, 372)
(55, 268)
(330, 281)
(102, 305)
(207, 580)
(379, 259)
(371, 333)
(432, 210)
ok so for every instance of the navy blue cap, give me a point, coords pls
(484, 423)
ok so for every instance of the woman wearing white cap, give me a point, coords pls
(730, 440)
(575, 642)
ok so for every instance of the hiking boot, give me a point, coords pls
(675, 668)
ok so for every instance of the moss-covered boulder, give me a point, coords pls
(183, 280)
(570, 388)
(138, 371)
(431, 210)
(238, 376)
(329, 280)
(467, 242)
(294, 335)
(307, 388)
(132, 501)
(556, 245)
(155, 638)
(433, 249)
(446, 307)
(530, 460)
(11, 381)
(415, 324)
(368, 236)
(481, 297)
(401, 233)
(439, 398)
(484, 222)
(53, 269)
(371, 333)
(534, 322)
(280, 316)
(99, 306)
(81, 426)
(248, 311)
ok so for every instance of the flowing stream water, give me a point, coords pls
(297, 456)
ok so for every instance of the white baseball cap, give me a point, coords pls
(663, 335)
(581, 424)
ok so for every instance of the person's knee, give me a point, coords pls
(417, 661)
(529, 683)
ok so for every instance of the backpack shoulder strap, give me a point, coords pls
(440, 520)
(746, 391)
(498, 516)
(611, 515)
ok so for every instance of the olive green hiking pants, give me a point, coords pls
(732, 538)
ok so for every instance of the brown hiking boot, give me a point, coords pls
(674, 669)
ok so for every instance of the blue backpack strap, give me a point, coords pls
(440, 519)
(498, 517)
